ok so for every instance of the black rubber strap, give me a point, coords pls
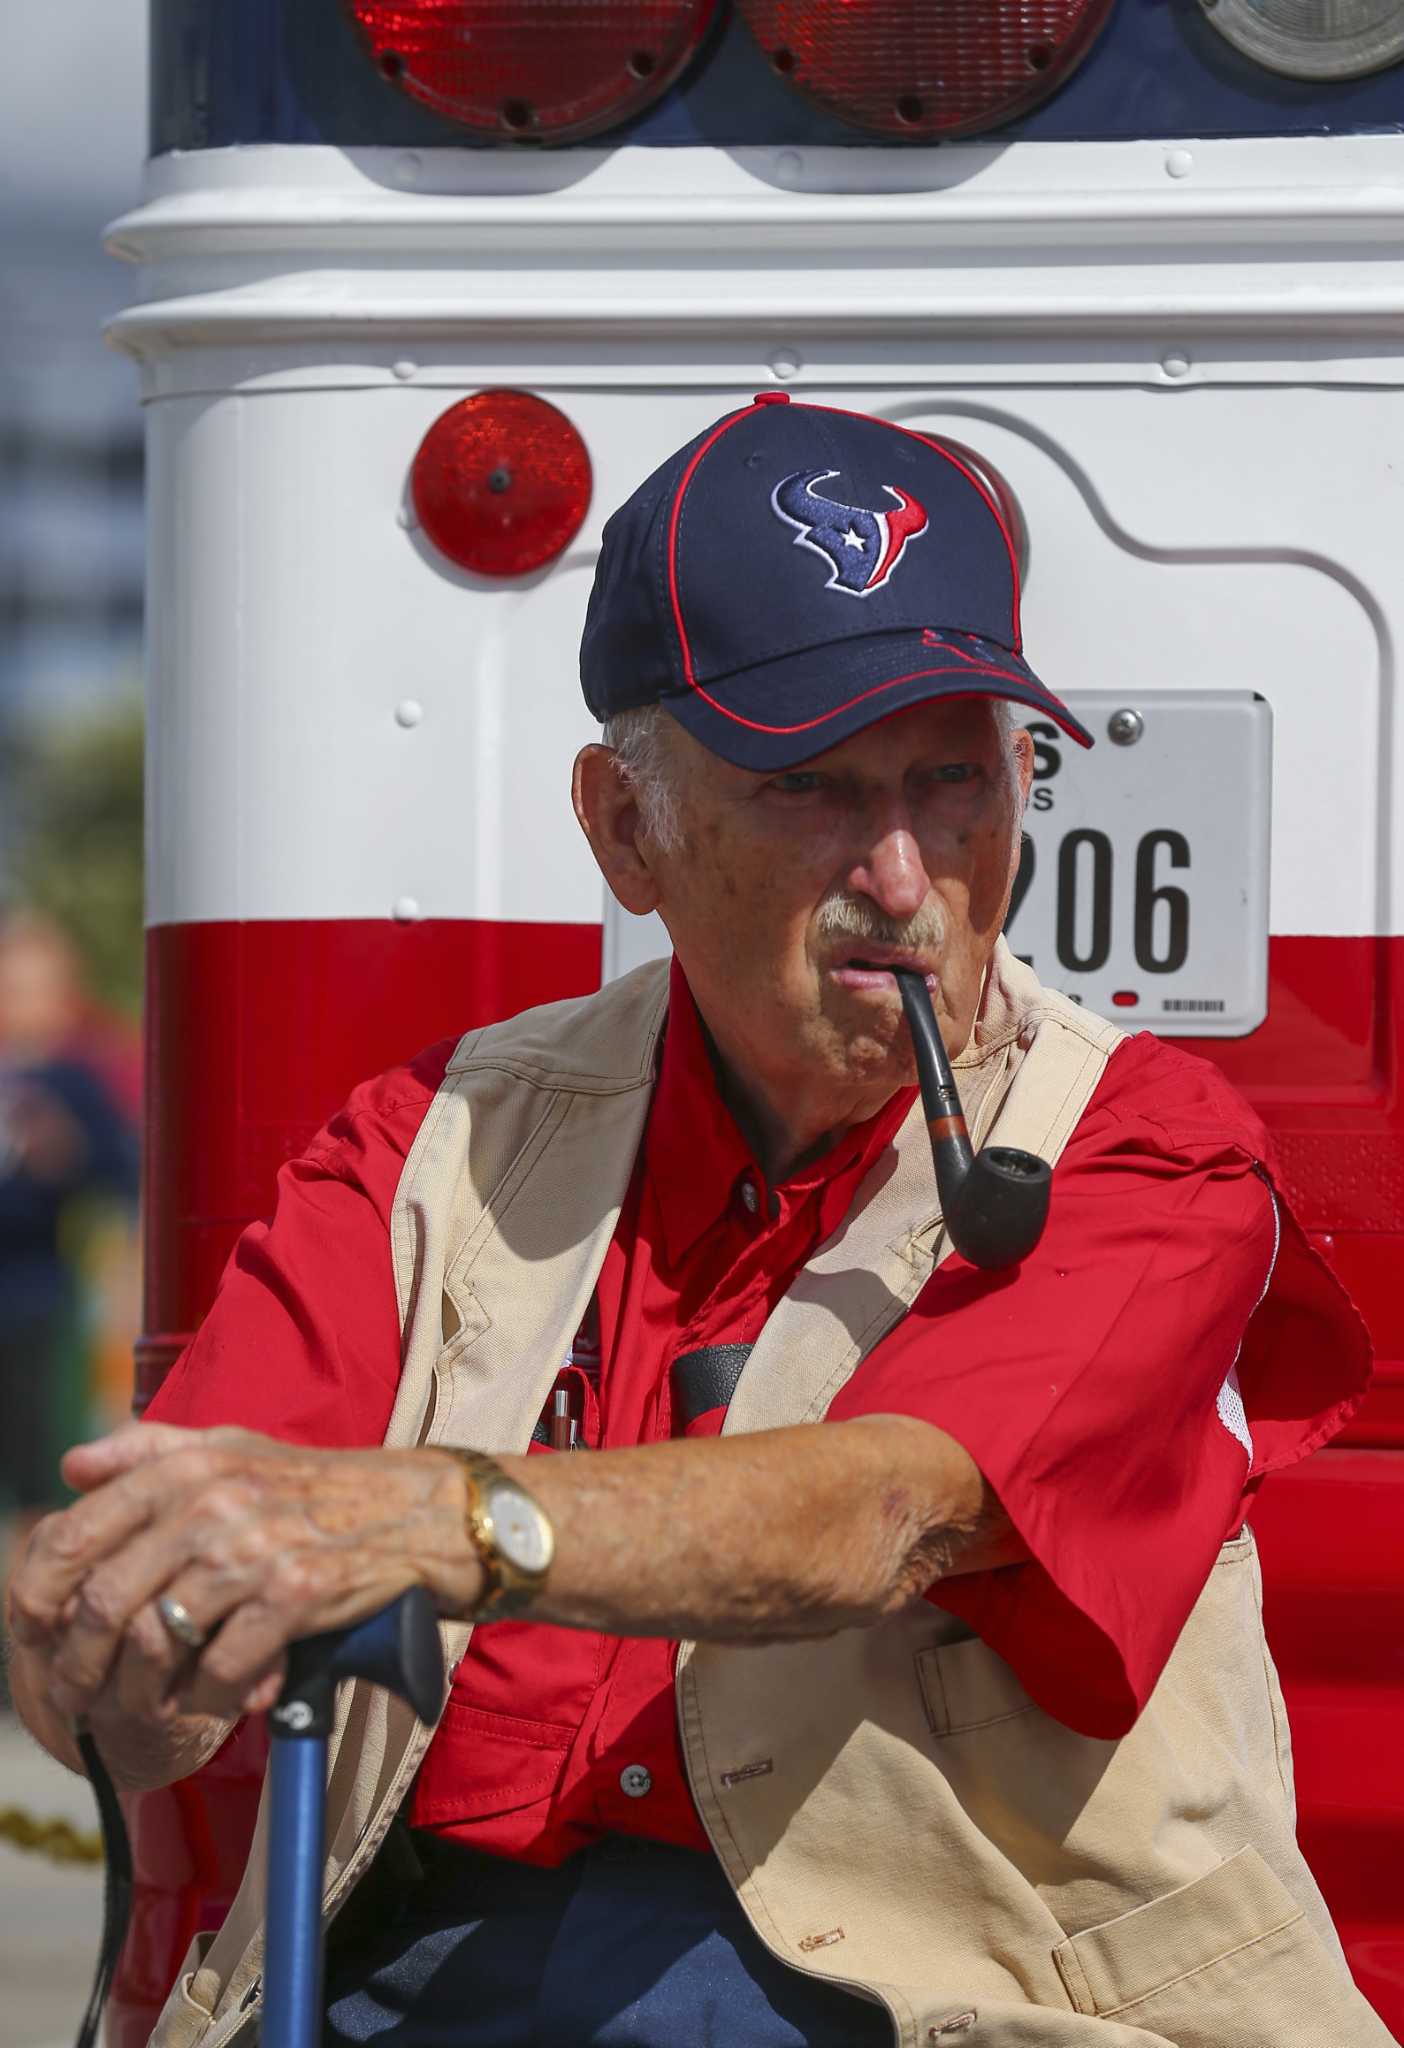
(117, 1886)
(706, 1379)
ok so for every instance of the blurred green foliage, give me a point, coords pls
(76, 840)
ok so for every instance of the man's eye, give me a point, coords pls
(797, 783)
(956, 771)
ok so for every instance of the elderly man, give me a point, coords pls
(889, 1664)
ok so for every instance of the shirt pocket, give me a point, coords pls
(1228, 1957)
(482, 1763)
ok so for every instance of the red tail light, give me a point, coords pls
(501, 483)
(533, 70)
(926, 69)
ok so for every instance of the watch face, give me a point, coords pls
(523, 1533)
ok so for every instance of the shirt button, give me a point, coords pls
(635, 1781)
(750, 1200)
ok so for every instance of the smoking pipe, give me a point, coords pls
(994, 1203)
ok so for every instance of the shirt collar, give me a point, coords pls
(694, 1152)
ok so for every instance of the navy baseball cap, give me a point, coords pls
(798, 572)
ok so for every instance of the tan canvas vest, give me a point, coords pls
(893, 1810)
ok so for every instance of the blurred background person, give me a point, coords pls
(72, 121)
(72, 140)
(64, 1137)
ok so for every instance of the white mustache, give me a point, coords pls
(854, 917)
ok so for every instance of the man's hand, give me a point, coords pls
(260, 1542)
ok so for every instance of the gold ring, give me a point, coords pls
(181, 1623)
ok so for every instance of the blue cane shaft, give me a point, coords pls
(296, 1854)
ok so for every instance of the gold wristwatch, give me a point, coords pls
(511, 1534)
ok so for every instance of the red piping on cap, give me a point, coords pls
(684, 480)
(936, 642)
(974, 668)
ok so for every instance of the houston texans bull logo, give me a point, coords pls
(861, 547)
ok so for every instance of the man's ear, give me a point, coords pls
(609, 817)
(1022, 746)
(1022, 741)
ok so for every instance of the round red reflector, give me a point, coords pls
(501, 483)
(533, 70)
(923, 70)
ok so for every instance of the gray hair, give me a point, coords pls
(644, 756)
(642, 744)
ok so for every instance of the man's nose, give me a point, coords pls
(892, 873)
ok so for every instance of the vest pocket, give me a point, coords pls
(965, 1685)
(1228, 1957)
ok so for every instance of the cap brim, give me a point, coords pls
(780, 713)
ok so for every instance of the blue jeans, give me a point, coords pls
(629, 1944)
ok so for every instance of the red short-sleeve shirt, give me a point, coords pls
(1173, 1338)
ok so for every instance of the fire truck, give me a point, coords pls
(425, 287)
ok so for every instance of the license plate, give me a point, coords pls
(1143, 891)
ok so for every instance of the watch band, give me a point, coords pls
(508, 1588)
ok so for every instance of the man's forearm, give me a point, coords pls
(787, 1532)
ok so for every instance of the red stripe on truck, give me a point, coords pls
(257, 1033)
